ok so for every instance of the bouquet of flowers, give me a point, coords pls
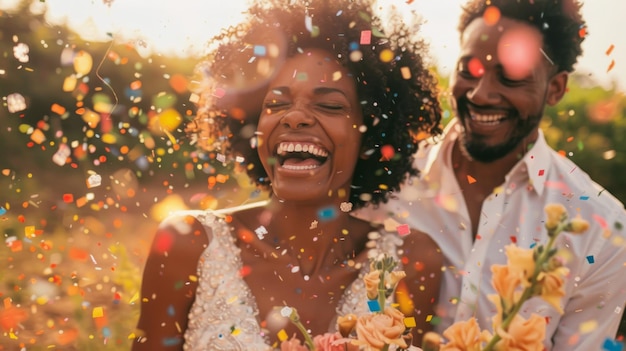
(385, 328)
(538, 271)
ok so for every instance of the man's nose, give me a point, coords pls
(485, 91)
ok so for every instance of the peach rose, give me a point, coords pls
(523, 335)
(379, 329)
(464, 336)
(520, 262)
(292, 344)
(333, 342)
(551, 284)
(505, 284)
(372, 279)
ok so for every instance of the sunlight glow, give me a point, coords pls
(184, 27)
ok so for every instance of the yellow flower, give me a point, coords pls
(556, 213)
(522, 334)
(520, 263)
(551, 284)
(379, 329)
(346, 324)
(464, 336)
(505, 284)
(578, 225)
(372, 279)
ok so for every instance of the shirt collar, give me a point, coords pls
(533, 168)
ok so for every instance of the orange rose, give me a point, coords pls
(379, 329)
(523, 334)
(464, 336)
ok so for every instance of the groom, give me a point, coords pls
(485, 184)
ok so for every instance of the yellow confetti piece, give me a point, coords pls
(42, 300)
(131, 336)
(29, 231)
(193, 278)
(409, 322)
(134, 298)
(108, 138)
(97, 312)
(282, 335)
(336, 76)
(429, 318)
(386, 55)
(236, 332)
(13, 336)
(587, 327)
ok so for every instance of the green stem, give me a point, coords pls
(307, 337)
(528, 292)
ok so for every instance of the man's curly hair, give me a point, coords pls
(559, 21)
(397, 92)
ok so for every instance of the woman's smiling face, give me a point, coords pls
(308, 131)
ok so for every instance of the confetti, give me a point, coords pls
(366, 37)
(470, 179)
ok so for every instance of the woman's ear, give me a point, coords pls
(557, 86)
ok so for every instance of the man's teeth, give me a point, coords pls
(284, 148)
(488, 119)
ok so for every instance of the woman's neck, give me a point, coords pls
(311, 236)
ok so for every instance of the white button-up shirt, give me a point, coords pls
(595, 290)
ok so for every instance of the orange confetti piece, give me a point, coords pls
(570, 139)
(610, 50)
(58, 109)
(491, 15)
(582, 32)
(611, 65)
(470, 179)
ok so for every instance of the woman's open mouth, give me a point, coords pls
(301, 156)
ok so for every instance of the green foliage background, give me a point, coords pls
(72, 273)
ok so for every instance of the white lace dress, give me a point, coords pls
(224, 313)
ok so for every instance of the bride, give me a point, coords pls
(335, 105)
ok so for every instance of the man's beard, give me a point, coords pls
(479, 151)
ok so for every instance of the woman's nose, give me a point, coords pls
(297, 118)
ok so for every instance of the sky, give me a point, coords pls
(182, 27)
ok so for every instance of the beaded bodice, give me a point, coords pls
(224, 313)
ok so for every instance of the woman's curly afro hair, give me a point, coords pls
(397, 92)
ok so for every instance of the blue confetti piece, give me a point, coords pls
(2, 210)
(373, 305)
(354, 46)
(106, 332)
(612, 345)
(326, 214)
(590, 259)
(584, 197)
(171, 341)
(260, 50)
(170, 310)
(533, 245)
